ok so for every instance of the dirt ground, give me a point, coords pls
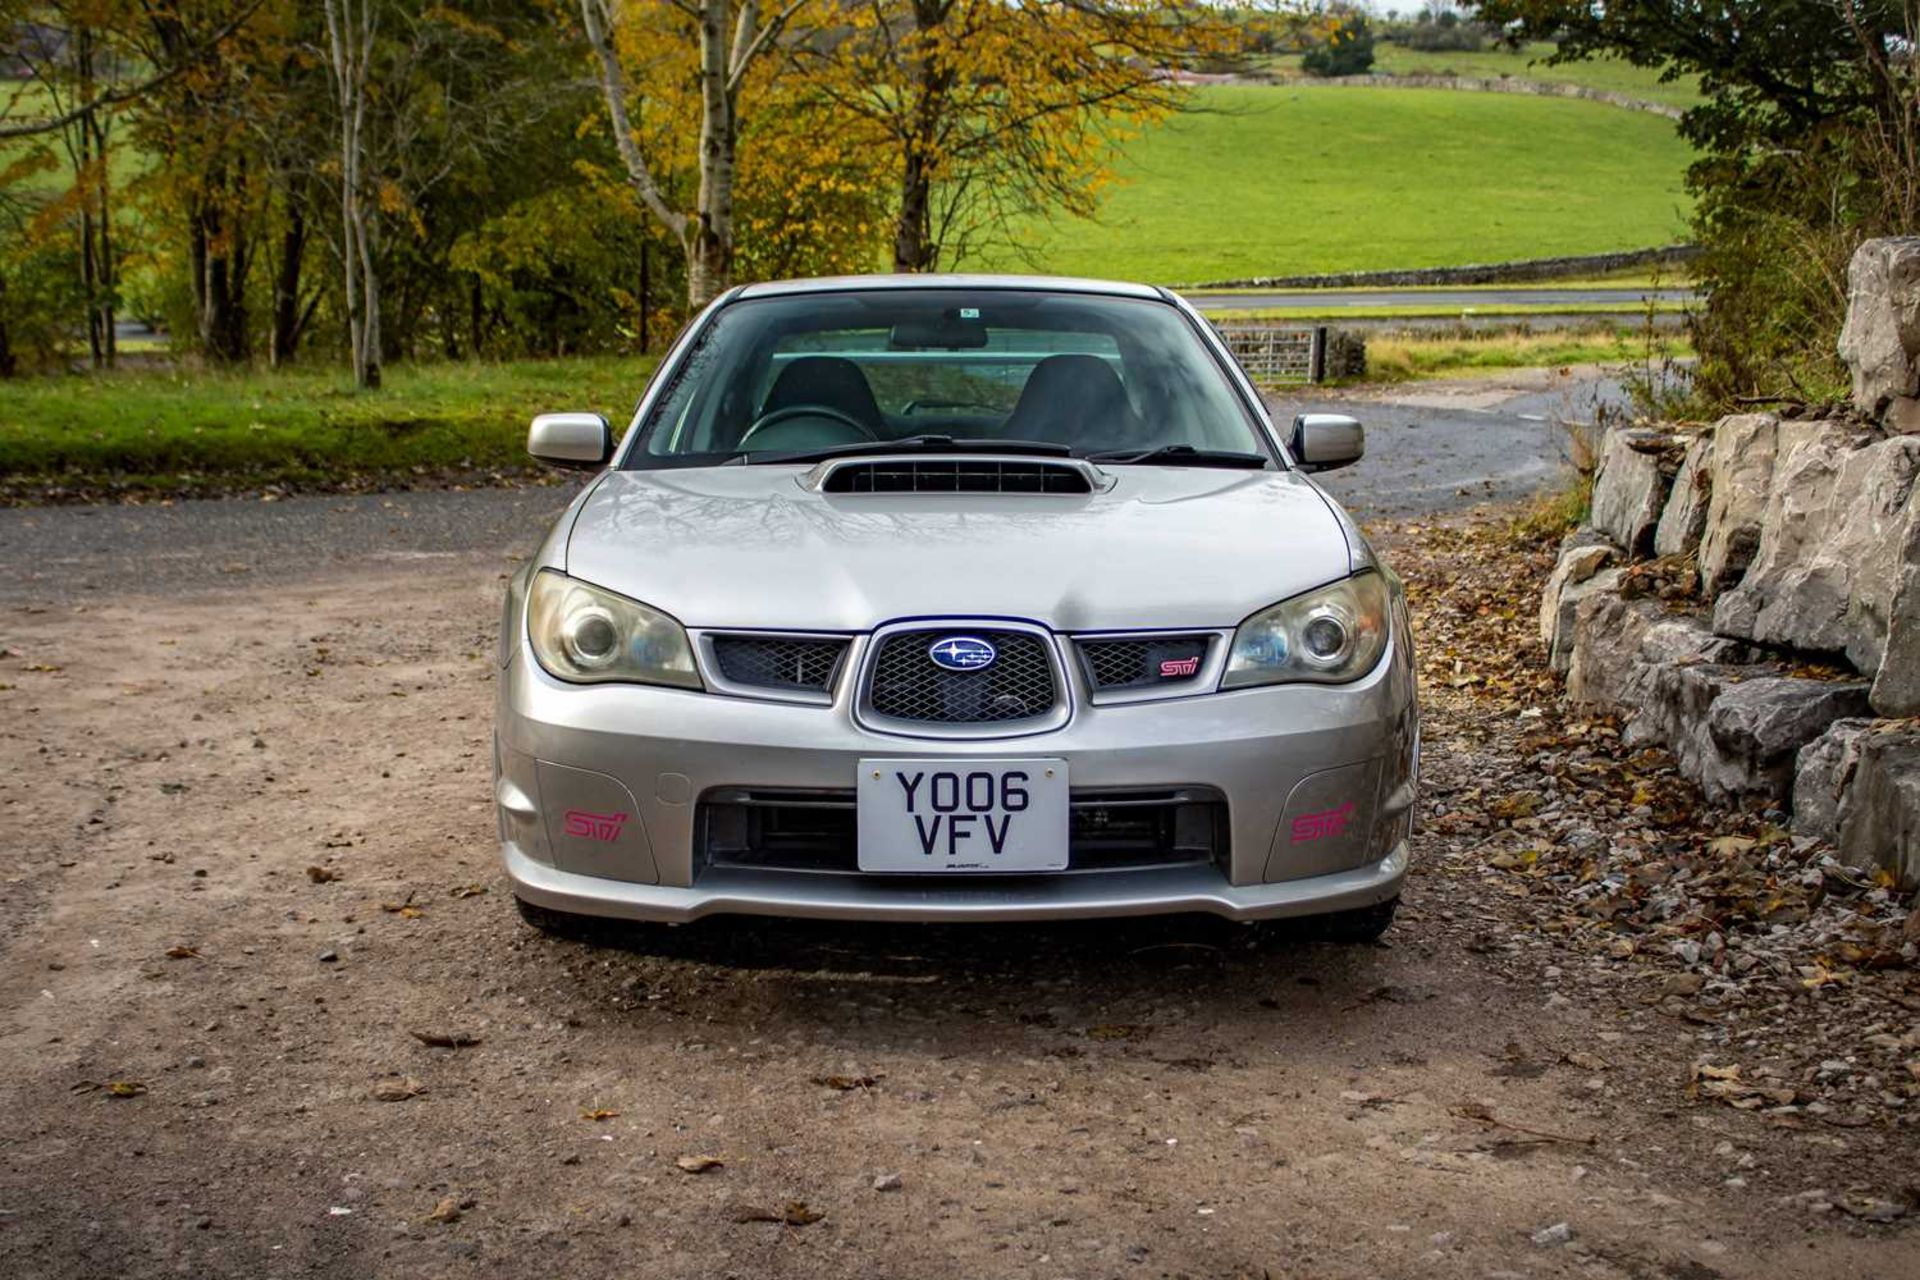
(248, 865)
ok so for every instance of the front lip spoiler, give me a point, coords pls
(1163, 891)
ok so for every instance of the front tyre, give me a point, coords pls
(561, 924)
(1360, 926)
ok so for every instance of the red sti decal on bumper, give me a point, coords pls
(1325, 825)
(1179, 668)
(585, 825)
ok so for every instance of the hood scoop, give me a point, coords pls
(969, 474)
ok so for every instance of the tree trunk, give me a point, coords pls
(107, 301)
(289, 317)
(914, 248)
(913, 226)
(350, 45)
(710, 243)
(373, 348)
(9, 362)
(220, 277)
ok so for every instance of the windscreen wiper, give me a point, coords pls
(911, 444)
(1181, 455)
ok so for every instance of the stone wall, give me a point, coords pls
(1748, 593)
(1484, 84)
(1525, 269)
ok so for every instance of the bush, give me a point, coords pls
(1445, 34)
(1347, 51)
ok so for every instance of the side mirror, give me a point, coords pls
(582, 441)
(1326, 441)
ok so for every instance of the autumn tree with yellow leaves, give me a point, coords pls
(989, 109)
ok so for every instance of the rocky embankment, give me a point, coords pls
(1748, 593)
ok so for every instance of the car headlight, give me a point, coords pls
(1327, 636)
(589, 635)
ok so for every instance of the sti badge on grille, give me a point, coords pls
(962, 653)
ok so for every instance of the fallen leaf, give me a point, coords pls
(446, 1039)
(125, 1088)
(182, 953)
(699, 1164)
(398, 1090)
(585, 1114)
(795, 1214)
(1475, 1111)
(468, 890)
(448, 1210)
(846, 1083)
(1585, 1061)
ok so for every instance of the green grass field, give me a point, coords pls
(172, 430)
(1278, 180)
(1529, 63)
(21, 101)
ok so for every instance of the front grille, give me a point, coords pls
(816, 831)
(779, 662)
(946, 475)
(1143, 662)
(906, 683)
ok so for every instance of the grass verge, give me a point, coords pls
(1409, 357)
(193, 431)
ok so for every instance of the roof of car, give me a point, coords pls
(941, 280)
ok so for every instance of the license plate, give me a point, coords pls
(991, 816)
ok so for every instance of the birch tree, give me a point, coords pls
(730, 38)
(351, 29)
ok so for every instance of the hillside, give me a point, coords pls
(1281, 179)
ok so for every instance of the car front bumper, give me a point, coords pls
(600, 793)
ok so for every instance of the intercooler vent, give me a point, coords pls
(957, 475)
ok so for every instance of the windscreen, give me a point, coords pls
(1098, 375)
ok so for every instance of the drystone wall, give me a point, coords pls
(1748, 593)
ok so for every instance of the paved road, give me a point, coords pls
(1488, 299)
(1452, 445)
(1445, 447)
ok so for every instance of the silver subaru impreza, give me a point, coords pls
(954, 598)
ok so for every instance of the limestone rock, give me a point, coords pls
(1618, 646)
(1882, 333)
(1756, 729)
(1685, 516)
(1630, 490)
(1822, 772)
(1582, 556)
(1896, 689)
(1880, 808)
(1902, 416)
(1830, 560)
(1739, 465)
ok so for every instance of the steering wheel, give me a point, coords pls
(806, 426)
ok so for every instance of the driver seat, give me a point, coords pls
(831, 382)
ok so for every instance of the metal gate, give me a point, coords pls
(1274, 355)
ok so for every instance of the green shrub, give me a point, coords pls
(1347, 50)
